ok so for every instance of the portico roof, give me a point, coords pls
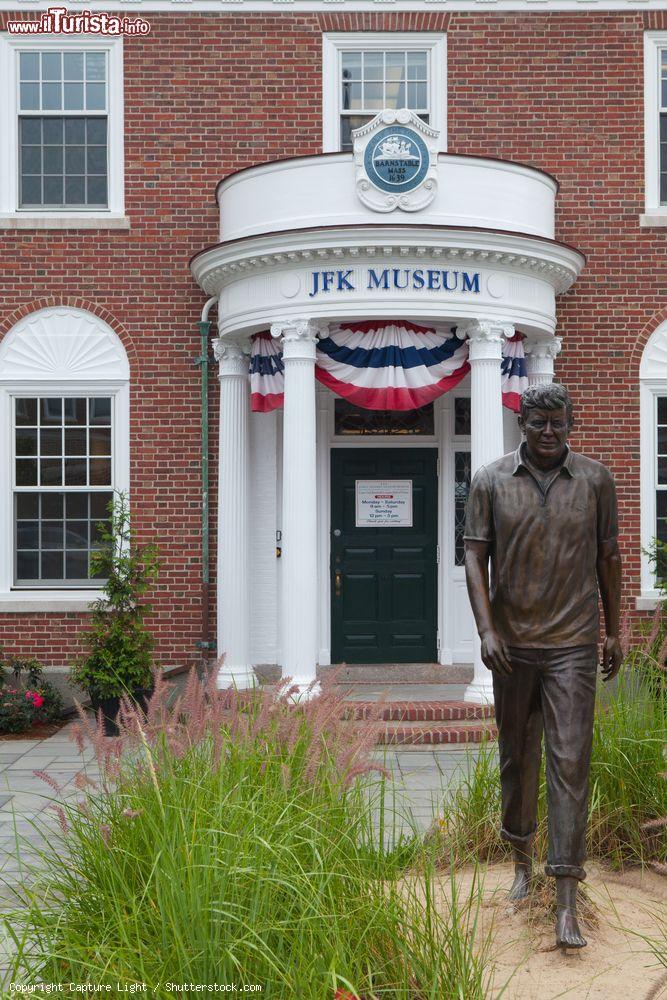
(297, 239)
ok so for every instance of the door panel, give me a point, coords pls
(384, 577)
(408, 597)
(360, 597)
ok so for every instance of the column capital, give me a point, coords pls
(299, 335)
(485, 337)
(540, 356)
(231, 357)
(543, 349)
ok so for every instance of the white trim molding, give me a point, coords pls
(58, 351)
(333, 43)
(13, 217)
(655, 213)
(652, 384)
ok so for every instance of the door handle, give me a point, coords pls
(338, 582)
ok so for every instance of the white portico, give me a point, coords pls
(303, 248)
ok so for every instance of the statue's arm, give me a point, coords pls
(609, 580)
(494, 651)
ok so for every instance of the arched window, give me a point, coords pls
(653, 415)
(64, 449)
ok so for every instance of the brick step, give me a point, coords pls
(398, 733)
(419, 711)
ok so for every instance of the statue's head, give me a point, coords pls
(550, 396)
(546, 420)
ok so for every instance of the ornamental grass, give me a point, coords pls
(230, 840)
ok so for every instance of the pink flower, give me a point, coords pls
(35, 698)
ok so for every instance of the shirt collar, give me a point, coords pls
(519, 460)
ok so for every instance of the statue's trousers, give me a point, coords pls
(550, 690)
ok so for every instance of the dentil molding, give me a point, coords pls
(223, 264)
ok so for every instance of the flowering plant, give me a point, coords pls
(16, 711)
(23, 705)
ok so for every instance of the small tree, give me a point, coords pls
(119, 657)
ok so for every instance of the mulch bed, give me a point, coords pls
(39, 732)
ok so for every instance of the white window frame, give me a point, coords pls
(17, 598)
(334, 43)
(655, 214)
(653, 383)
(58, 598)
(13, 217)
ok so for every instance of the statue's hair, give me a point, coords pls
(549, 396)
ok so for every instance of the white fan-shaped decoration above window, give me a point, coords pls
(62, 343)
(654, 359)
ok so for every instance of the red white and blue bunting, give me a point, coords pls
(513, 373)
(390, 366)
(381, 365)
(267, 379)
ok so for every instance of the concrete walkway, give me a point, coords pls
(26, 800)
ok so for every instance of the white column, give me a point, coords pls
(485, 339)
(233, 591)
(299, 527)
(540, 355)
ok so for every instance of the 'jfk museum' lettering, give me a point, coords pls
(390, 278)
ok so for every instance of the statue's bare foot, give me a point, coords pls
(521, 883)
(568, 934)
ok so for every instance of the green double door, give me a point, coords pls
(384, 530)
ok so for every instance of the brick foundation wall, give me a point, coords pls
(206, 94)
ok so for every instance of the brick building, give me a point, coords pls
(179, 164)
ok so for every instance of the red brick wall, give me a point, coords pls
(206, 94)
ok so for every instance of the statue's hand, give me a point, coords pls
(495, 654)
(612, 657)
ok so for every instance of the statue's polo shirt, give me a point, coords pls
(543, 546)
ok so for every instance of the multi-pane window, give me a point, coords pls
(462, 475)
(63, 129)
(62, 486)
(353, 420)
(663, 126)
(374, 79)
(661, 471)
(462, 415)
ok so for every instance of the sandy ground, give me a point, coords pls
(616, 964)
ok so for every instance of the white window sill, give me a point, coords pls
(66, 220)
(656, 218)
(648, 600)
(47, 600)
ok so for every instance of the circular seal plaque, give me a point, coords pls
(396, 159)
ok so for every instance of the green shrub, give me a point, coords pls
(119, 644)
(231, 843)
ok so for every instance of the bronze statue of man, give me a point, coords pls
(546, 519)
